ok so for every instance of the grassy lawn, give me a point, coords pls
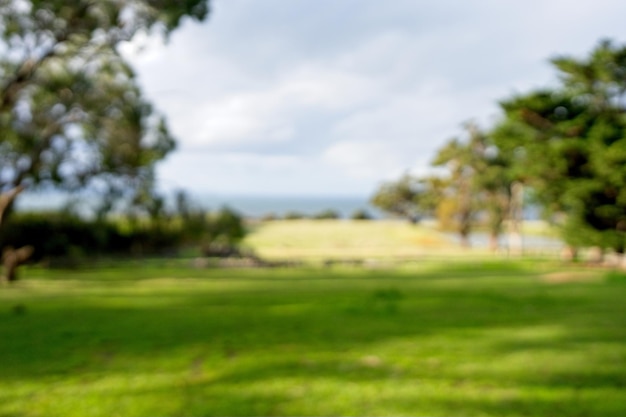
(463, 339)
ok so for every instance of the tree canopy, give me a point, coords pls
(566, 143)
(405, 198)
(477, 182)
(71, 111)
(573, 142)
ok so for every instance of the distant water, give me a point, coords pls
(481, 240)
(258, 206)
(248, 206)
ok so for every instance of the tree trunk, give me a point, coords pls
(12, 258)
(569, 254)
(465, 240)
(493, 242)
(516, 218)
(7, 198)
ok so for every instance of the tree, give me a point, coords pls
(572, 140)
(361, 214)
(476, 183)
(71, 112)
(459, 159)
(223, 233)
(406, 198)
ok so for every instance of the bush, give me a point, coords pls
(64, 238)
(327, 215)
(268, 217)
(294, 215)
(224, 231)
(61, 234)
(361, 214)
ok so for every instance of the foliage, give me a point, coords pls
(294, 215)
(71, 111)
(66, 238)
(62, 234)
(572, 141)
(474, 181)
(328, 214)
(564, 145)
(223, 232)
(478, 181)
(408, 198)
(268, 217)
(361, 214)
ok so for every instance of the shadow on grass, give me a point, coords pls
(490, 343)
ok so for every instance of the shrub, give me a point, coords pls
(224, 231)
(327, 215)
(64, 238)
(361, 214)
(268, 217)
(294, 215)
(61, 234)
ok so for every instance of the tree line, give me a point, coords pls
(562, 147)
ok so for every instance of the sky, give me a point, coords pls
(333, 97)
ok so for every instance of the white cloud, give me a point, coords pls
(370, 160)
(237, 119)
(296, 96)
(268, 115)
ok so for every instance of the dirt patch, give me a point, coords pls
(571, 276)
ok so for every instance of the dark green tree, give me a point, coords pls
(223, 233)
(571, 141)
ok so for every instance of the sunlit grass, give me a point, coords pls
(472, 339)
(315, 241)
(347, 239)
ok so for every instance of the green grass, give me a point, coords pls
(464, 339)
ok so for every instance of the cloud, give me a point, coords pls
(300, 97)
(369, 160)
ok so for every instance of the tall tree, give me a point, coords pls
(71, 112)
(70, 107)
(408, 197)
(572, 140)
(477, 182)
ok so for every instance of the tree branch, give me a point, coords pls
(7, 198)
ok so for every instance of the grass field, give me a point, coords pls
(315, 241)
(462, 339)
(318, 240)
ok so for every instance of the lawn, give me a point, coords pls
(481, 338)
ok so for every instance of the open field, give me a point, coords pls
(315, 240)
(481, 338)
(383, 240)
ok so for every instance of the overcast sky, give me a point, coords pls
(331, 97)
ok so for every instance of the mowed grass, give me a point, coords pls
(479, 338)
